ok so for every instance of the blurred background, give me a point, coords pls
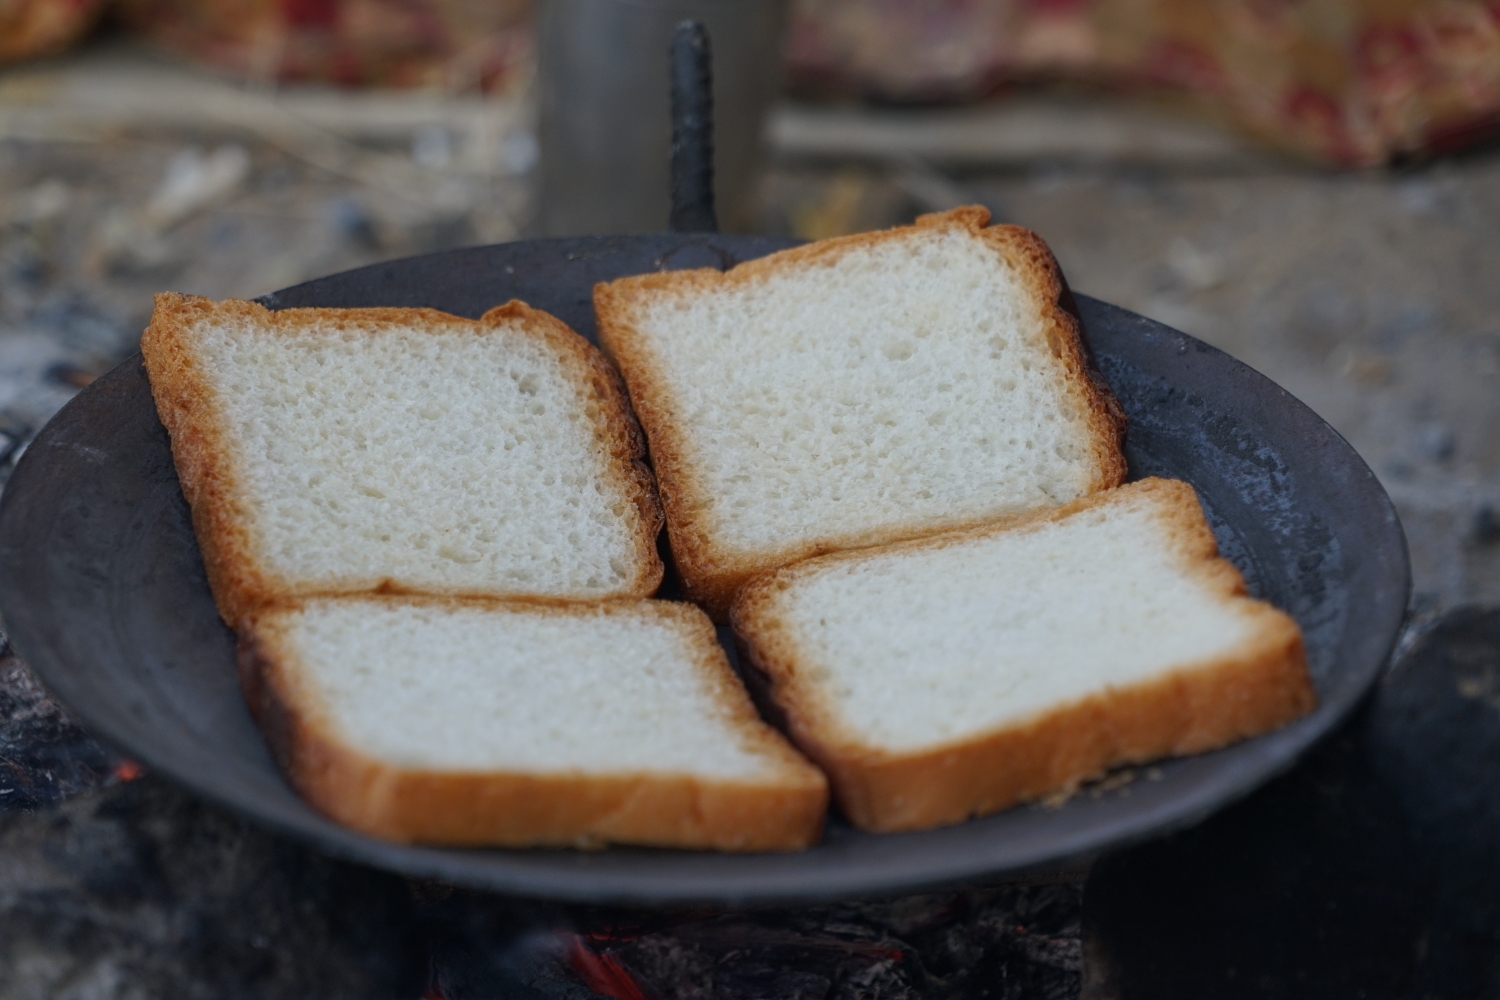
(1311, 185)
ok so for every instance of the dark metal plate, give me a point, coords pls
(103, 593)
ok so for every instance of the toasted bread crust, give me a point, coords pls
(212, 481)
(517, 809)
(712, 575)
(1200, 706)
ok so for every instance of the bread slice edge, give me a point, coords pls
(1253, 689)
(212, 481)
(207, 467)
(524, 809)
(712, 576)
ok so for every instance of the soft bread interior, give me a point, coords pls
(930, 644)
(906, 379)
(434, 686)
(444, 457)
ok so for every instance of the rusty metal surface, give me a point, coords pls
(103, 592)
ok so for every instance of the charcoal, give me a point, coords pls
(44, 756)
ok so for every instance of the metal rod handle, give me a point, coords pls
(692, 131)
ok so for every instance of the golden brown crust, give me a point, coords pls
(513, 809)
(205, 463)
(1032, 257)
(712, 575)
(213, 484)
(1201, 706)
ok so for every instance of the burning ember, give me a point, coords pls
(1010, 942)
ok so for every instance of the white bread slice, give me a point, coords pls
(401, 450)
(857, 391)
(487, 723)
(954, 676)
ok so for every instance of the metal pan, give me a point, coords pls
(103, 593)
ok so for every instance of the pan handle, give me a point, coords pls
(692, 131)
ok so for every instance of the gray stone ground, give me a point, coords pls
(137, 891)
(1372, 297)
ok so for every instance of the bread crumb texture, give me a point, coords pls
(1039, 652)
(468, 688)
(913, 378)
(405, 448)
(476, 722)
(934, 645)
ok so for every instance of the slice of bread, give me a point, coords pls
(954, 676)
(401, 450)
(486, 723)
(858, 391)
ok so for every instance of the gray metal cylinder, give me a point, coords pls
(605, 129)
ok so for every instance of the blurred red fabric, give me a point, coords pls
(455, 45)
(31, 28)
(1347, 82)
